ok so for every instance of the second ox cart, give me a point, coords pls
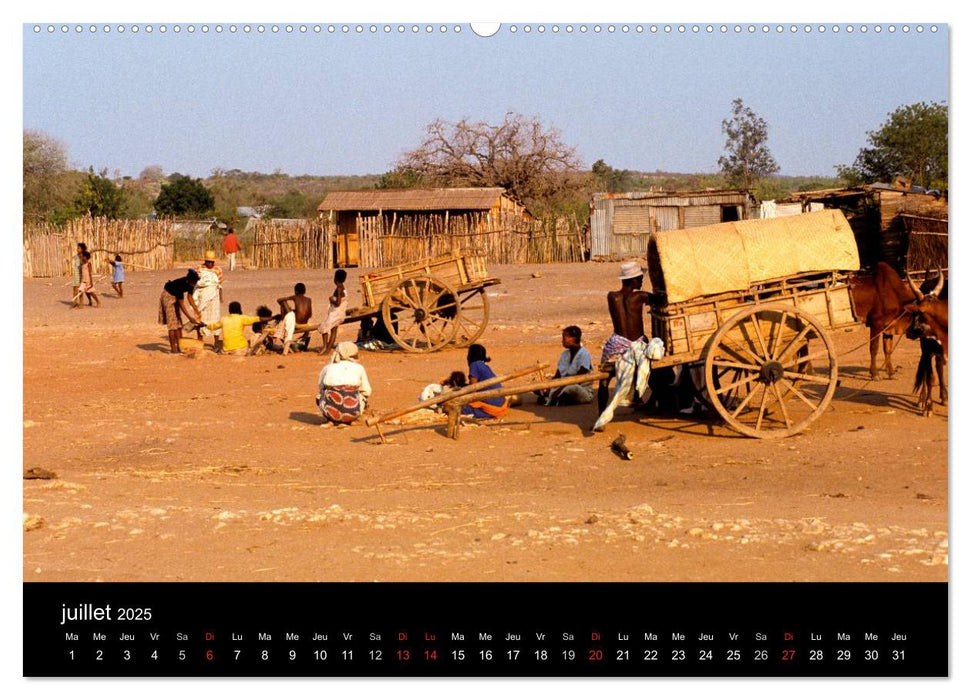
(423, 305)
(754, 303)
(429, 304)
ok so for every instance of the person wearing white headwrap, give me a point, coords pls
(344, 386)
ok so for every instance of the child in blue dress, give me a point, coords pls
(117, 275)
(479, 370)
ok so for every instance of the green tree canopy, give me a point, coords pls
(912, 143)
(611, 179)
(399, 179)
(98, 196)
(293, 205)
(183, 196)
(747, 159)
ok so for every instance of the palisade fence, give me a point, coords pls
(49, 250)
(927, 242)
(384, 240)
(143, 244)
(293, 243)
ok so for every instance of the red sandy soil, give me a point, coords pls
(215, 468)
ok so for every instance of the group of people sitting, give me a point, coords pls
(191, 303)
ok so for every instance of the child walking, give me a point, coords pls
(117, 275)
(87, 280)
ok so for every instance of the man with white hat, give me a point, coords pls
(208, 294)
(627, 315)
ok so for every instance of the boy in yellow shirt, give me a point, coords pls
(234, 339)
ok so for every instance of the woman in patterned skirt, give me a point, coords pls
(344, 387)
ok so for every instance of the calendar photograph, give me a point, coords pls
(513, 303)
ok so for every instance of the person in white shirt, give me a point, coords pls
(344, 387)
(574, 361)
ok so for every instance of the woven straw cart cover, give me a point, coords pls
(735, 256)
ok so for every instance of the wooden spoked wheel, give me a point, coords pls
(473, 316)
(770, 371)
(420, 314)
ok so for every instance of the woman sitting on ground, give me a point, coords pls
(344, 387)
(479, 371)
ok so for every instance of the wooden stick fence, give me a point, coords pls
(49, 250)
(302, 243)
(389, 239)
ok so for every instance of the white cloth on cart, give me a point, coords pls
(633, 368)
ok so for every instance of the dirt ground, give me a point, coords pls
(216, 468)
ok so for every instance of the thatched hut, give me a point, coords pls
(382, 227)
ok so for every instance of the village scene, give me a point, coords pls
(501, 359)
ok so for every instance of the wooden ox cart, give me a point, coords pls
(752, 304)
(428, 304)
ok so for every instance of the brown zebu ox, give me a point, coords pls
(929, 325)
(879, 300)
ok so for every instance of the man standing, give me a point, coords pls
(208, 294)
(231, 247)
(626, 308)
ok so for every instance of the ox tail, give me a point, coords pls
(925, 367)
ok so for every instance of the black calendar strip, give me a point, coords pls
(456, 629)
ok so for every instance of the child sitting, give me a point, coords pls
(479, 370)
(456, 380)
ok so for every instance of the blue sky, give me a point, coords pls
(328, 104)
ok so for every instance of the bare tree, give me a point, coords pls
(153, 174)
(47, 181)
(521, 154)
(44, 155)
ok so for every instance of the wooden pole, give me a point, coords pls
(449, 395)
(453, 408)
(548, 384)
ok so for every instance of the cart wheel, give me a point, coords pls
(763, 377)
(473, 316)
(420, 314)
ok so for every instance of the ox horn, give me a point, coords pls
(914, 288)
(940, 283)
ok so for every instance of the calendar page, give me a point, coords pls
(543, 349)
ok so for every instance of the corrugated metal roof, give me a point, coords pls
(678, 199)
(412, 200)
